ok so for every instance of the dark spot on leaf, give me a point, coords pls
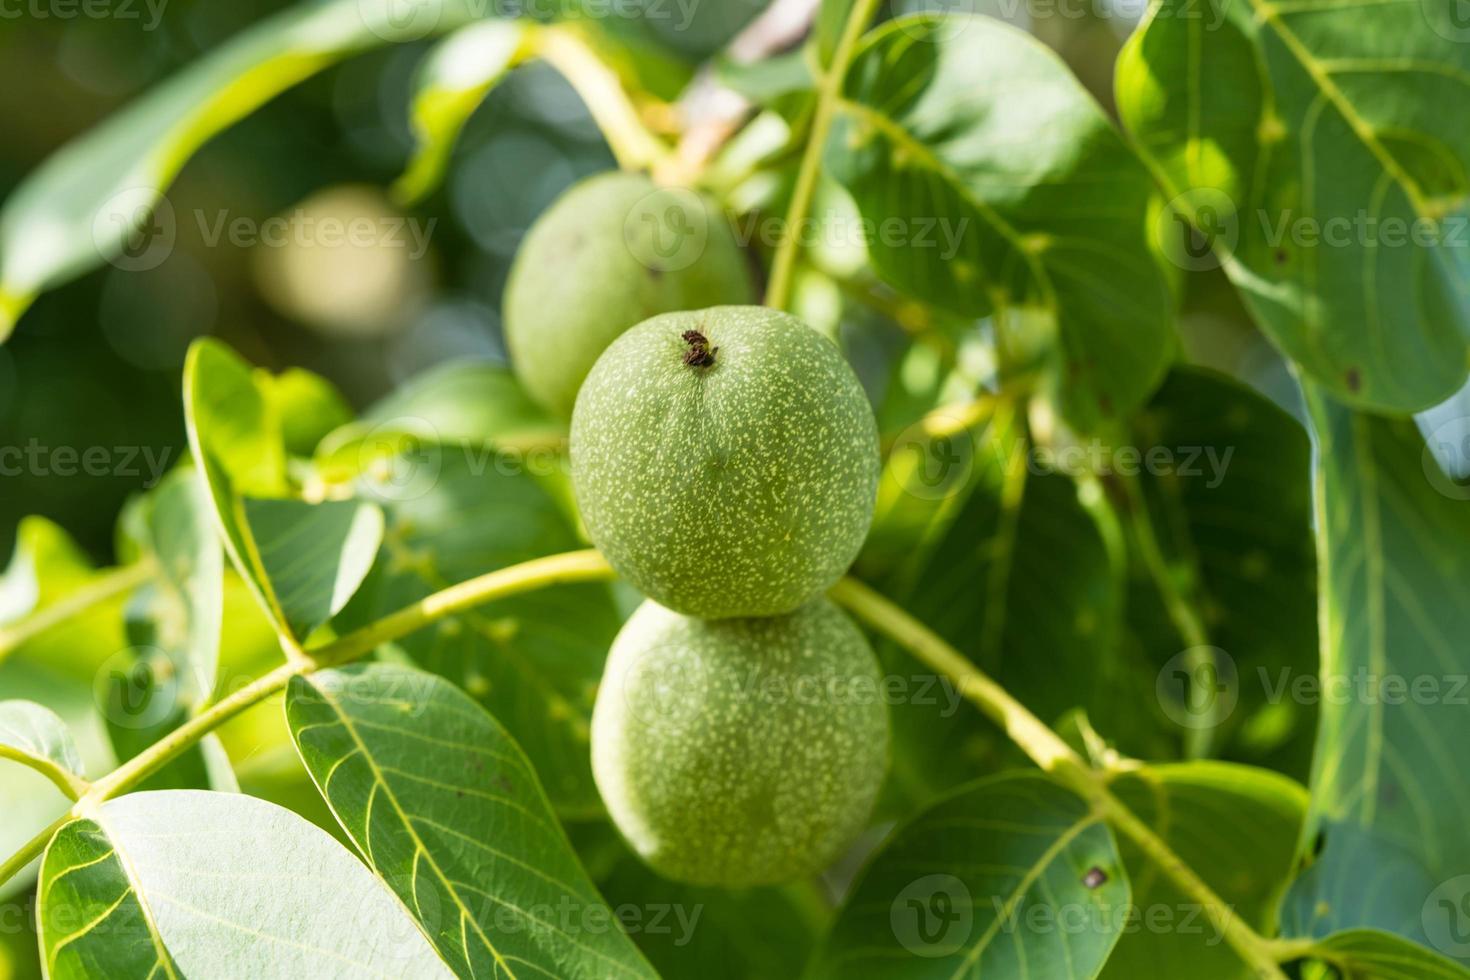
(1354, 379)
(1095, 878)
(1281, 256)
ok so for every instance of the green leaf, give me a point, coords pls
(473, 402)
(991, 881)
(448, 811)
(302, 561)
(1367, 954)
(1388, 797)
(185, 610)
(450, 84)
(1212, 458)
(1012, 568)
(94, 200)
(314, 556)
(308, 407)
(533, 660)
(190, 883)
(45, 566)
(37, 737)
(1004, 189)
(714, 933)
(1327, 175)
(1237, 828)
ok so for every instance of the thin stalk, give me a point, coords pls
(829, 91)
(576, 566)
(64, 779)
(600, 89)
(1042, 744)
(103, 587)
(1054, 756)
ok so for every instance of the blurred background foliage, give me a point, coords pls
(97, 362)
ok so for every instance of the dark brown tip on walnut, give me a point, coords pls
(700, 353)
(1094, 878)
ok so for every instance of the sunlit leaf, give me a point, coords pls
(1327, 175)
(473, 402)
(314, 556)
(1388, 790)
(458, 511)
(37, 737)
(1004, 189)
(302, 561)
(190, 883)
(46, 565)
(993, 880)
(451, 83)
(448, 811)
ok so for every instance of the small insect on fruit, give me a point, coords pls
(740, 752)
(725, 461)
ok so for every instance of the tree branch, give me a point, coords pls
(1055, 756)
(828, 90)
(575, 566)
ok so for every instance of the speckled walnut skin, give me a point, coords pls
(730, 475)
(578, 280)
(740, 752)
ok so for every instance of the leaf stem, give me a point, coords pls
(575, 566)
(828, 91)
(1042, 744)
(1056, 757)
(105, 586)
(634, 146)
(65, 780)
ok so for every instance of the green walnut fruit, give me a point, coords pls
(740, 752)
(612, 251)
(725, 461)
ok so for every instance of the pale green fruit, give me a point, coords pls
(725, 461)
(612, 251)
(740, 752)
